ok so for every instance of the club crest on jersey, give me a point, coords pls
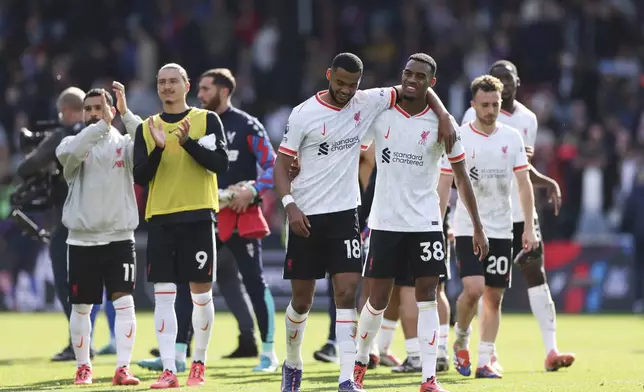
(423, 138)
(525, 131)
(356, 118)
(504, 149)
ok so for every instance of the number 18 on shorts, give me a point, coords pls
(405, 254)
(496, 267)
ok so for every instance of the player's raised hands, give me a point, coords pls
(446, 132)
(157, 133)
(480, 244)
(297, 220)
(108, 111)
(183, 130)
(121, 102)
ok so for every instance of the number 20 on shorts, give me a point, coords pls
(497, 265)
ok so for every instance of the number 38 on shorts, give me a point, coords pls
(496, 267)
(405, 255)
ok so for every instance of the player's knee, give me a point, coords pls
(82, 309)
(493, 298)
(345, 296)
(200, 288)
(426, 289)
(119, 294)
(165, 293)
(473, 289)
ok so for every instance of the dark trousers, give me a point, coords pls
(248, 257)
(331, 310)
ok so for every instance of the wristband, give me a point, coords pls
(288, 199)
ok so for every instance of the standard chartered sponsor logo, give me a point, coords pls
(493, 173)
(345, 144)
(408, 159)
(404, 158)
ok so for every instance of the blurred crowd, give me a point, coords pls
(580, 64)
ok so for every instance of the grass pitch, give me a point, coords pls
(610, 357)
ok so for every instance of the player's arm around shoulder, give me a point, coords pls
(72, 150)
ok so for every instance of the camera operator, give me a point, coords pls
(70, 113)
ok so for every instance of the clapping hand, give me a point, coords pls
(108, 111)
(157, 133)
(183, 130)
(121, 103)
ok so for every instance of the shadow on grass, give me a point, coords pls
(54, 385)
(22, 361)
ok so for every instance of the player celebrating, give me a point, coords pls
(324, 133)
(101, 214)
(178, 153)
(494, 151)
(407, 230)
(248, 148)
(516, 115)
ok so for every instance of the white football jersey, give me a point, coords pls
(525, 121)
(491, 162)
(327, 140)
(408, 160)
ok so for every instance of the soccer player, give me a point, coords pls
(516, 115)
(409, 316)
(248, 147)
(494, 151)
(407, 230)
(179, 153)
(324, 132)
(101, 214)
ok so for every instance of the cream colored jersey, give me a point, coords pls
(327, 140)
(408, 158)
(491, 162)
(525, 121)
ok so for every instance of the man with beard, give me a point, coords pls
(531, 264)
(248, 147)
(324, 133)
(100, 213)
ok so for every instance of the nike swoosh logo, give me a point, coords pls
(387, 135)
(129, 335)
(354, 335)
(81, 343)
(206, 327)
(324, 130)
(365, 335)
(433, 339)
(295, 334)
(162, 326)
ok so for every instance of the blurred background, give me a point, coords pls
(580, 64)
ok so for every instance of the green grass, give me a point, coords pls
(610, 357)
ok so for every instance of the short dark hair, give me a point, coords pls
(347, 61)
(97, 92)
(487, 84)
(425, 58)
(221, 77)
(505, 64)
